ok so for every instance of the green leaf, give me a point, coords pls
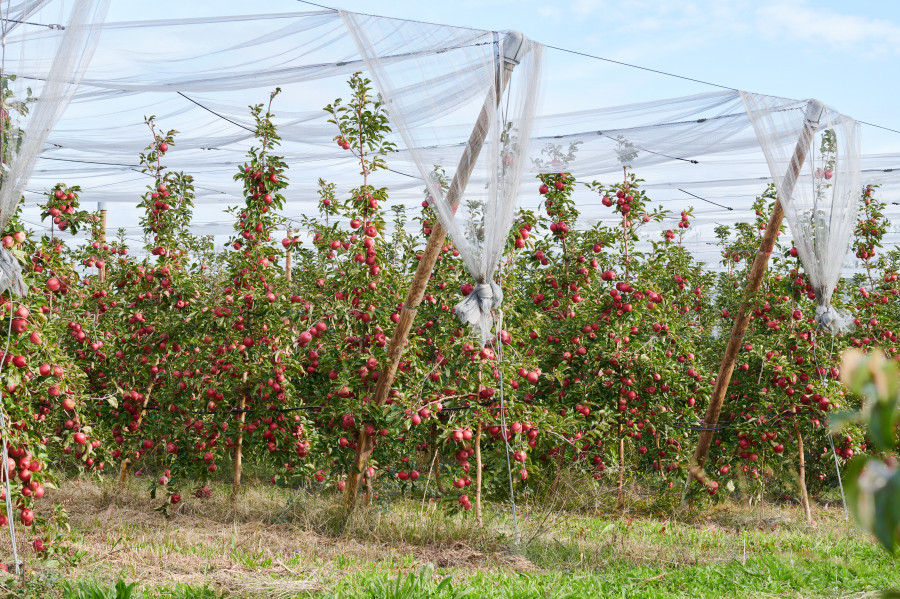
(887, 513)
(881, 423)
(851, 482)
(838, 420)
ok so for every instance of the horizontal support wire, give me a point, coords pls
(496, 406)
(284, 410)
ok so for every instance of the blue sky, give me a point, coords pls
(845, 53)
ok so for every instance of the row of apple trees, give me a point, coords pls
(186, 363)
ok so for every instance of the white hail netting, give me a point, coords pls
(199, 72)
(813, 154)
(46, 47)
(492, 80)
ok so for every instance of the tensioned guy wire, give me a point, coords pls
(210, 110)
(634, 66)
(704, 199)
(878, 126)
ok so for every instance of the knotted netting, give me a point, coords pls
(813, 153)
(46, 47)
(447, 76)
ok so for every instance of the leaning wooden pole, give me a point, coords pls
(364, 444)
(813, 114)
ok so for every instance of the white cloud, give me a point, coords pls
(693, 23)
(679, 21)
(583, 8)
(801, 22)
(550, 12)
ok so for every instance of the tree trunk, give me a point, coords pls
(436, 460)
(620, 487)
(804, 496)
(659, 466)
(123, 471)
(360, 459)
(239, 449)
(370, 491)
(555, 484)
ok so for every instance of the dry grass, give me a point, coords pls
(269, 543)
(278, 543)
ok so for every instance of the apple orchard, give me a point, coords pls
(191, 365)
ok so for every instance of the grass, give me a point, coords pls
(281, 543)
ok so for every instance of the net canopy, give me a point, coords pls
(199, 74)
(494, 83)
(40, 68)
(813, 154)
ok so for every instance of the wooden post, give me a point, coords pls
(287, 259)
(813, 114)
(429, 259)
(478, 517)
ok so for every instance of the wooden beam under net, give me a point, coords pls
(364, 442)
(814, 112)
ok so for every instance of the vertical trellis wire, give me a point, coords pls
(3, 440)
(498, 343)
(837, 466)
(4, 24)
(498, 324)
